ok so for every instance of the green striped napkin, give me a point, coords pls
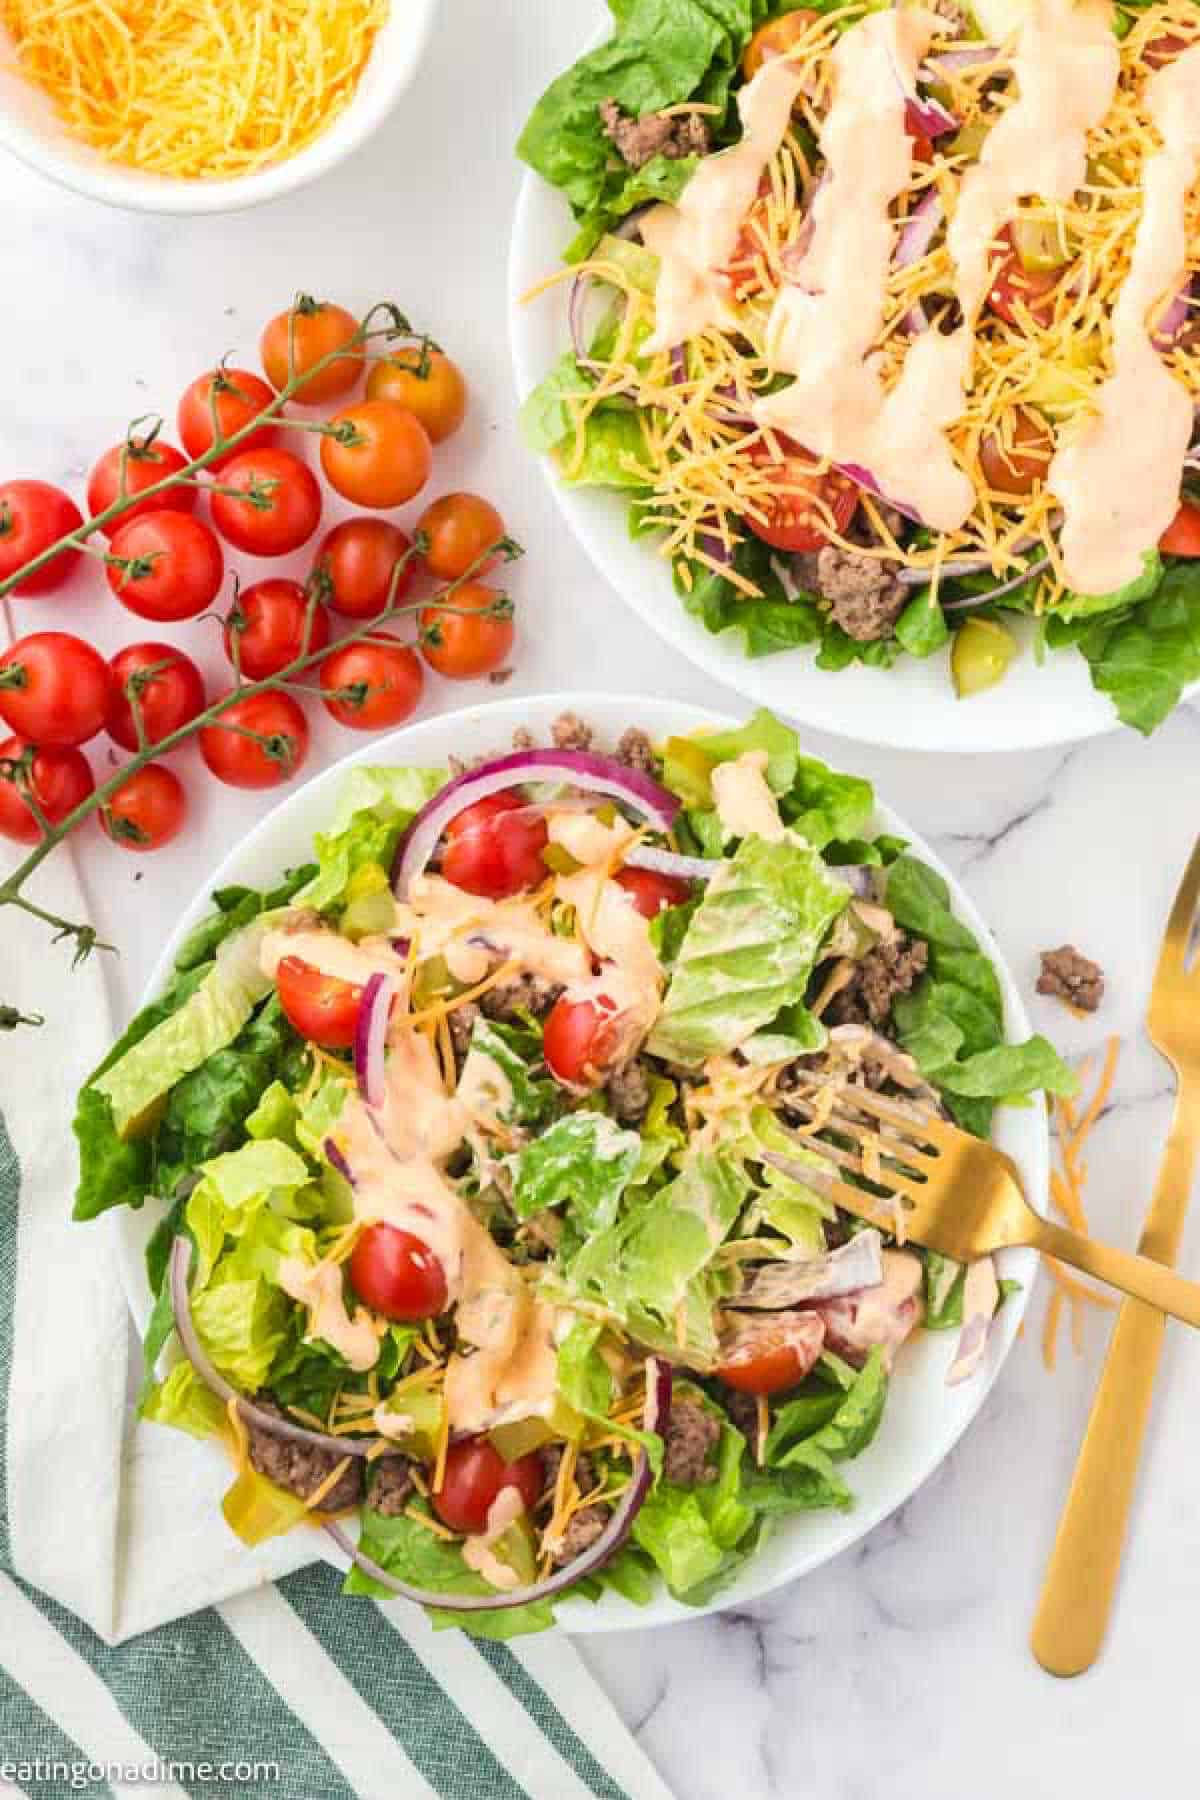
(108, 1532)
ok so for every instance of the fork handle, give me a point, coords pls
(1134, 1275)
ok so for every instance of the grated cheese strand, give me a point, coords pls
(1066, 1191)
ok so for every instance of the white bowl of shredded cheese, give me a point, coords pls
(210, 107)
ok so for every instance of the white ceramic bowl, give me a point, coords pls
(924, 1418)
(30, 128)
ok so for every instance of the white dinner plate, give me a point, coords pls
(923, 1418)
(910, 707)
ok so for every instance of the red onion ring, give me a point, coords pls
(655, 1417)
(1175, 316)
(181, 1256)
(965, 58)
(966, 601)
(669, 862)
(928, 118)
(334, 1156)
(581, 768)
(370, 1037)
(864, 478)
(915, 237)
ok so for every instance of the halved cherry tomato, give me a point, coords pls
(258, 742)
(1016, 467)
(494, 848)
(294, 341)
(397, 1274)
(1164, 49)
(774, 1357)
(1016, 290)
(34, 515)
(438, 397)
(60, 779)
(775, 38)
(460, 527)
(276, 505)
(1182, 536)
(803, 499)
(651, 892)
(748, 251)
(54, 688)
(168, 698)
(165, 566)
(355, 565)
(145, 464)
(146, 811)
(386, 456)
(372, 684)
(323, 1008)
(273, 623)
(470, 635)
(475, 1473)
(238, 397)
(580, 1038)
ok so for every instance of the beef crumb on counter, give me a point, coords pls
(300, 1468)
(1072, 977)
(884, 972)
(692, 1437)
(654, 134)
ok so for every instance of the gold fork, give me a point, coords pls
(1078, 1592)
(959, 1195)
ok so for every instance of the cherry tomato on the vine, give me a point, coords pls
(275, 506)
(381, 456)
(373, 683)
(293, 342)
(54, 688)
(323, 1008)
(775, 1357)
(34, 515)
(494, 848)
(165, 566)
(146, 811)
(259, 742)
(475, 1473)
(397, 1274)
(471, 634)
(238, 397)
(1182, 536)
(580, 1039)
(803, 501)
(59, 779)
(273, 623)
(355, 563)
(168, 698)
(460, 527)
(146, 462)
(651, 892)
(430, 386)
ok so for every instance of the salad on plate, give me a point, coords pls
(885, 320)
(494, 1231)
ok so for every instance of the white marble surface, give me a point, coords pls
(902, 1669)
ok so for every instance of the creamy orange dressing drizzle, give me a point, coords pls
(1118, 483)
(477, 1550)
(319, 1287)
(332, 954)
(696, 240)
(443, 919)
(746, 806)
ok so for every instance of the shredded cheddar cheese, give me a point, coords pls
(327, 1486)
(1066, 1190)
(202, 89)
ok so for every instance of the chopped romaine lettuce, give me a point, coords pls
(411, 1552)
(374, 806)
(583, 1163)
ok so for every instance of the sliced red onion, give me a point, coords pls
(679, 367)
(864, 478)
(181, 1256)
(861, 878)
(1175, 316)
(336, 1160)
(370, 1037)
(965, 58)
(981, 1296)
(967, 601)
(928, 118)
(917, 232)
(854, 1265)
(614, 1535)
(669, 862)
(581, 768)
(715, 548)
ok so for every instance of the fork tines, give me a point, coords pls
(888, 1158)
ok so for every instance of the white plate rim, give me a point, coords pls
(1024, 1132)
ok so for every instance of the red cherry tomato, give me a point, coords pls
(169, 697)
(1182, 536)
(54, 688)
(272, 755)
(474, 1475)
(146, 811)
(271, 626)
(323, 1008)
(165, 566)
(494, 848)
(651, 892)
(378, 681)
(295, 341)
(59, 779)
(1016, 290)
(471, 635)
(802, 500)
(426, 382)
(579, 1040)
(238, 396)
(397, 1274)
(34, 515)
(1164, 49)
(276, 506)
(460, 527)
(145, 464)
(386, 457)
(774, 1357)
(355, 564)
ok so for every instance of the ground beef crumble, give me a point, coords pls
(628, 1090)
(743, 1412)
(525, 993)
(865, 596)
(300, 1468)
(692, 1437)
(654, 134)
(886, 970)
(1072, 977)
(391, 1486)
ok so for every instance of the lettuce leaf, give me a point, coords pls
(794, 1443)
(235, 907)
(513, 1053)
(410, 1552)
(662, 178)
(749, 950)
(582, 1162)
(698, 1536)
(182, 1399)
(374, 806)
(1144, 661)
